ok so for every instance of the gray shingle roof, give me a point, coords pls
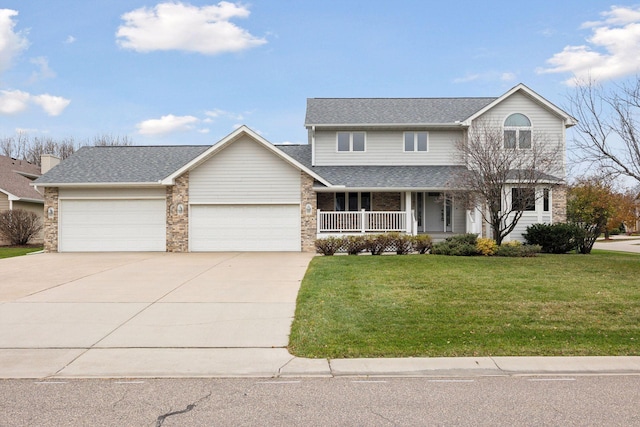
(132, 164)
(405, 177)
(396, 111)
(12, 182)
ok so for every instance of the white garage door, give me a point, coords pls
(112, 225)
(244, 228)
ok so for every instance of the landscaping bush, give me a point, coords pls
(460, 245)
(422, 243)
(486, 247)
(517, 249)
(402, 243)
(554, 238)
(377, 244)
(19, 226)
(353, 245)
(329, 245)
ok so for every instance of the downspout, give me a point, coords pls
(313, 145)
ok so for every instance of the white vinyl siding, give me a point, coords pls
(245, 228)
(385, 147)
(90, 225)
(112, 193)
(4, 202)
(545, 126)
(245, 173)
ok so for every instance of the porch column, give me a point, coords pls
(407, 206)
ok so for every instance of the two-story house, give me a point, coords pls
(370, 165)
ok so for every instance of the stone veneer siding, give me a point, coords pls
(178, 224)
(51, 224)
(559, 204)
(308, 221)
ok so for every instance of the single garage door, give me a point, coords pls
(244, 228)
(112, 225)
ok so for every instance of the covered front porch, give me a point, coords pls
(436, 213)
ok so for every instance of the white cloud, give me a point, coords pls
(203, 130)
(17, 101)
(612, 51)
(70, 39)
(217, 113)
(11, 43)
(508, 77)
(466, 79)
(52, 105)
(166, 124)
(181, 26)
(44, 72)
(13, 101)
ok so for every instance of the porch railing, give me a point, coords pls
(361, 221)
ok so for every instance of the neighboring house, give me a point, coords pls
(15, 189)
(371, 165)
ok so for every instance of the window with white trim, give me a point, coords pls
(351, 141)
(523, 199)
(517, 131)
(416, 141)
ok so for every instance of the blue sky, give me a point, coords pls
(168, 72)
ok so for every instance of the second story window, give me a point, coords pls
(517, 131)
(351, 141)
(416, 141)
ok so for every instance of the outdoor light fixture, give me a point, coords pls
(308, 208)
(50, 212)
(180, 209)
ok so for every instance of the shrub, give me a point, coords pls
(554, 238)
(377, 244)
(459, 245)
(517, 249)
(354, 244)
(19, 226)
(401, 243)
(422, 243)
(329, 245)
(486, 247)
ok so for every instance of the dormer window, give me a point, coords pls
(351, 141)
(517, 131)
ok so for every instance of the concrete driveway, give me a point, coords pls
(147, 314)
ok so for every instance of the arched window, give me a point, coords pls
(517, 131)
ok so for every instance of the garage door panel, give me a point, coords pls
(245, 228)
(112, 225)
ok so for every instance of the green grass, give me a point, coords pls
(429, 305)
(8, 252)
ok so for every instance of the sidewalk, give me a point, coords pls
(619, 244)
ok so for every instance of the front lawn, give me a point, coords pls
(9, 251)
(430, 305)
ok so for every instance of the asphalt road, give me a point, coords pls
(454, 401)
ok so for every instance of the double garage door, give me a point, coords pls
(140, 225)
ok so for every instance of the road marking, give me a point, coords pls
(278, 382)
(551, 379)
(451, 381)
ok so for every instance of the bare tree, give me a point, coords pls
(21, 146)
(608, 126)
(499, 172)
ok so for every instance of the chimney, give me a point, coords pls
(48, 162)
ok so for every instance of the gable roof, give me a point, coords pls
(568, 119)
(229, 139)
(120, 165)
(391, 111)
(15, 177)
